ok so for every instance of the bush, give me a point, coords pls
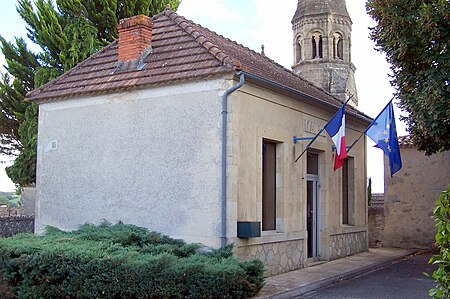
(120, 261)
(442, 274)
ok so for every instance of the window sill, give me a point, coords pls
(271, 237)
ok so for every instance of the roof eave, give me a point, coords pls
(301, 95)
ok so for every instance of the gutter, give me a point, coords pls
(223, 233)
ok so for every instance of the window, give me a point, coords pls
(338, 46)
(314, 47)
(340, 49)
(268, 185)
(312, 164)
(317, 45)
(298, 51)
(348, 191)
(320, 47)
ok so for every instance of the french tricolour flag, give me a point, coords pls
(336, 129)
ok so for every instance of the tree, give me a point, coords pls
(442, 259)
(21, 67)
(67, 34)
(415, 37)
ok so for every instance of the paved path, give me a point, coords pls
(402, 279)
(295, 283)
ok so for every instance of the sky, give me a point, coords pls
(253, 23)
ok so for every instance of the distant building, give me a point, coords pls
(410, 197)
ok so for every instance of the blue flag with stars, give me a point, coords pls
(383, 132)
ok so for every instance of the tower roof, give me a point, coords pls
(318, 7)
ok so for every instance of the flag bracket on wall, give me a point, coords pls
(333, 148)
(301, 139)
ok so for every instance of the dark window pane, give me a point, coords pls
(345, 192)
(268, 185)
(312, 164)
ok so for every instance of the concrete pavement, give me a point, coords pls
(295, 283)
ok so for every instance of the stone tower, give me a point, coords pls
(322, 46)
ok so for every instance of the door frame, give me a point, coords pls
(315, 231)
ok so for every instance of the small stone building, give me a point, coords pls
(410, 197)
(183, 131)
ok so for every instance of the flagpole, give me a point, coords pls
(363, 133)
(320, 132)
(309, 144)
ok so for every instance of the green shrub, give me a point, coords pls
(442, 274)
(120, 261)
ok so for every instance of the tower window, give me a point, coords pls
(340, 49)
(317, 46)
(314, 47)
(298, 51)
(338, 46)
(320, 47)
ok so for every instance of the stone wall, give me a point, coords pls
(278, 257)
(376, 226)
(10, 212)
(28, 201)
(377, 199)
(343, 245)
(410, 197)
(10, 226)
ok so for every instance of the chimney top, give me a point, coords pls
(135, 38)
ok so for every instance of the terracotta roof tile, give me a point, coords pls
(181, 50)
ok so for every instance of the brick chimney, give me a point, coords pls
(135, 37)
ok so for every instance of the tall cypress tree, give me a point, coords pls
(67, 34)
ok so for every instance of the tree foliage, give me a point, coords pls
(67, 32)
(21, 66)
(442, 274)
(415, 35)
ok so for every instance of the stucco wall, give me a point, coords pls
(148, 157)
(410, 197)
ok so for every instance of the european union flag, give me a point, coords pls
(382, 130)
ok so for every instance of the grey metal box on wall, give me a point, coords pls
(249, 229)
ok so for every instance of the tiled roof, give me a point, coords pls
(182, 50)
(405, 141)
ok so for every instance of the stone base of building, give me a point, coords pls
(278, 257)
(346, 244)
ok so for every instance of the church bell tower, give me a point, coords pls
(322, 47)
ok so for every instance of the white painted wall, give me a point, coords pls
(148, 157)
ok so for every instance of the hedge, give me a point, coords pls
(120, 261)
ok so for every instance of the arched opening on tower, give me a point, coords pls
(338, 46)
(317, 46)
(298, 50)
